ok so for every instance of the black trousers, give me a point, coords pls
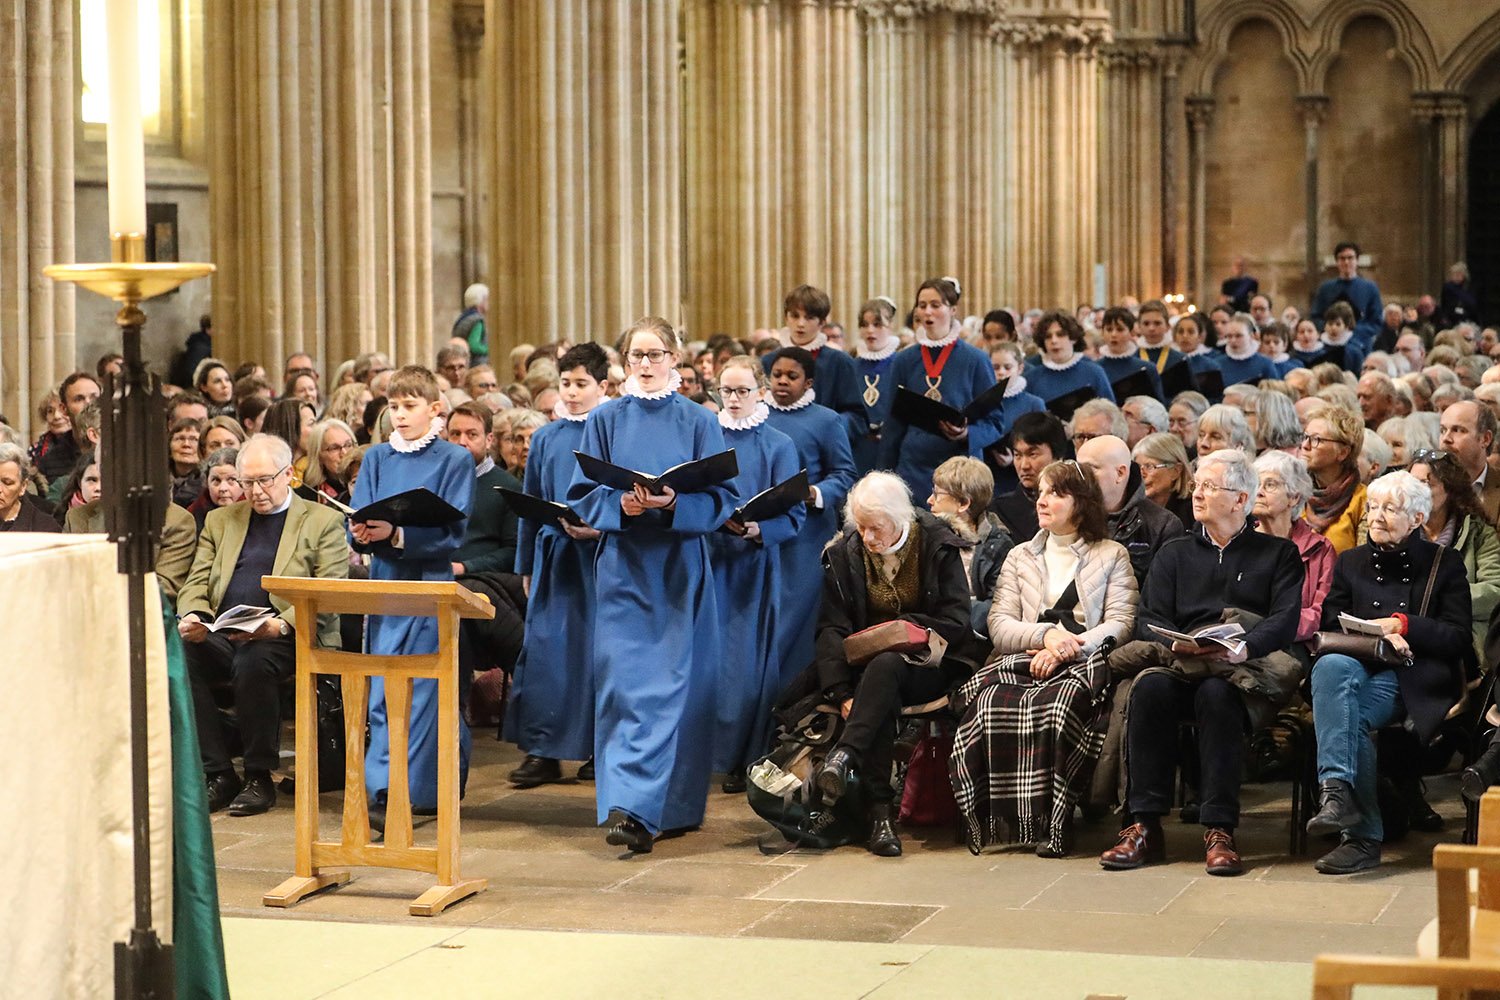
(255, 670)
(1159, 702)
(887, 683)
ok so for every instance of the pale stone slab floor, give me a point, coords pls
(736, 922)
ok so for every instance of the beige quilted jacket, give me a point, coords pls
(1106, 593)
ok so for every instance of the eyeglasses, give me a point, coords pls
(490, 386)
(1315, 441)
(1083, 437)
(264, 482)
(338, 449)
(1150, 468)
(655, 357)
(738, 392)
(1272, 486)
(1209, 489)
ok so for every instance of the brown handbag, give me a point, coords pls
(1371, 648)
(888, 637)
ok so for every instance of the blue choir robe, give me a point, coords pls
(1363, 296)
(1282, 367)
(550, 712)
(1050, 383)
(1206, 362)
(913, 452)
(426, 554)
(830, 468)
(877, 395)
(1252, 369)
(656, 620)
(1017, 403)
(839, 386)
(1161, 358)
(749, 579)
(1118, 368)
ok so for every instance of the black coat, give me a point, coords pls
(984, 571)
(944, 605)
(1017, 511)
(1142, 526)
(32, 517)
(1371, 583)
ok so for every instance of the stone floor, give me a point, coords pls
(549, 869)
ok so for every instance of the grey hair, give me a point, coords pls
(15, 453)
(1152, 413)
(1242, 395)
(1423, 430)
(1095, 407)
(1230, 421)
(281, 452)
(1293, 473)
(1449, 393)
(220, 456)
(1376, 452)
(475, 294)
(880, 494)
(1239, 474)
(1404, 489)
(1385, 361)
(1276, 422)
(1195, 401)
(451, 352)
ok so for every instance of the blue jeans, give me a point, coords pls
(1349, 703)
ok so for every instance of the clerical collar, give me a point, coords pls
(411, 447)
(900, 542)
(755, 419)
(1233, 356)
(1063, 366)
(488, 465)
(560, 411)
(632, 387)
(815, 345)
(1015, 386)
(806, 400)
(925, 341)
(883, 353)
(1337, 343)
(1129, 352)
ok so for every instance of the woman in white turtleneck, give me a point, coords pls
(1034, 717)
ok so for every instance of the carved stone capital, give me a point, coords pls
(1437, 106)
(908, 9)
(468, 24)
(1132, 54)
(1080, 31)
(1200, 112)
(1314, 108)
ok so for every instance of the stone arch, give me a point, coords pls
(1412, 42)
(1466, 61)
(1220, 23)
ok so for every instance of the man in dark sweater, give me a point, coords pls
(1225, 571)
(272, 532)
(1037, 440)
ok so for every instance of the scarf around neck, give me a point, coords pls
(1327, 503)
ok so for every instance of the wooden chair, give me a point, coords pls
(321, 864)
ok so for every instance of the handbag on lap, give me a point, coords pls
(888, 637)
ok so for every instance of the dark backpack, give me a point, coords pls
(797, 810)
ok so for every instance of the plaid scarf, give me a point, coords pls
(1327, 503)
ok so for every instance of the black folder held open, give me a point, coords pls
(775, 501)
(918, 410)
(418, 508)
(1064, 405)
(536, 509)
(1137, 383)
(689, 477)
(1177, 378)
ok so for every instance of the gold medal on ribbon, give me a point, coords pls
(872, 390)
(932, 388)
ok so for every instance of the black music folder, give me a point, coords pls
(689, 477)
(918, 410)
(536, 509)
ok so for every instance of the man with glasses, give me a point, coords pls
(1467, 433)
(272, 532)
(1095, 419)
(1362, 294)
(1224, 571)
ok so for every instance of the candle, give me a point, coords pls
(126, 137)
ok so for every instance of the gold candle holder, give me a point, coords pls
(128, 279)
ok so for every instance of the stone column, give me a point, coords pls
(320, 180)
(1130, 179)
(1445, 168)
(1314, 108)
(1200, 115)
(468, 31)
(36, 201)
(1170, 116)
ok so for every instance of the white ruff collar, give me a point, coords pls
(816, 344)
(755, 419)
(408, 447)
(883, 353)
(560, 412)
(1015, 386)
(1240, 357)
(1199, 351)
(1281, 358)
(941, 341)
(1340, 342)
(1129, 352)
(1048, 362)
(805, 401)
(633, 387)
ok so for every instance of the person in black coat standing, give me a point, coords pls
(1385, 581)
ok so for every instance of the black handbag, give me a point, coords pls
(1372, 648)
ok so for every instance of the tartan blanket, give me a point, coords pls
(1024, 749)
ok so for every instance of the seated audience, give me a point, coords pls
(1143, 415)
(961, 491)
(892, 561)
(1374, 457)
(1282, 494)
(221, 484)
(19, 511)
(1457, 522)
(1182, 419)
(1225, 571)
(1223, 426)
(182, 450)
(1468, 433)
(1276, 425)
(56, 451)
(1384, 581)
(1133, 520)
(1037, 440)
(1166, 474)
(1032, 721)
(240, 544)
(212, 380)
(327, 444)
(1330, 448)
(220, 432)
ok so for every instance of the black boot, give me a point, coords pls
(734, 782)
(1354, 854)
(1420, 814)
(884, 842)
(1484, 772)
(1336, 811)
(223, 786)
(836, 774)
(628, 833)
(586, 770)
(535, 771)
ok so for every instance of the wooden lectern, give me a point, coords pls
(323, 863)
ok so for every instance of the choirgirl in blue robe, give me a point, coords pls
(748, 571)
(656, 627)
(938, 362)
(876, 355)
(422, 460)
(550, 714)
(804, 312)
(830, 473)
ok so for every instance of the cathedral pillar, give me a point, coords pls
(1200, 114)
(1314, 108)
(468, 33)
(37, 319)
(1445, 165)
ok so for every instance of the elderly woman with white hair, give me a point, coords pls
(19, 512)
(1406, 436)
(1280, 498)
(891, 562)
(1417, 593)
(1276, 426)
(1166, 474)
(1223, 426)
(1144, 415)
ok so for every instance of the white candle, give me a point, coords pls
(126, 137)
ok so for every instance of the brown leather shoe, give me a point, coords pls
(1139, 845)
(1222, 858)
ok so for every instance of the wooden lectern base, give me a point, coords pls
(299, 887)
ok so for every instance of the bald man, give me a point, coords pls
(1137, 523)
